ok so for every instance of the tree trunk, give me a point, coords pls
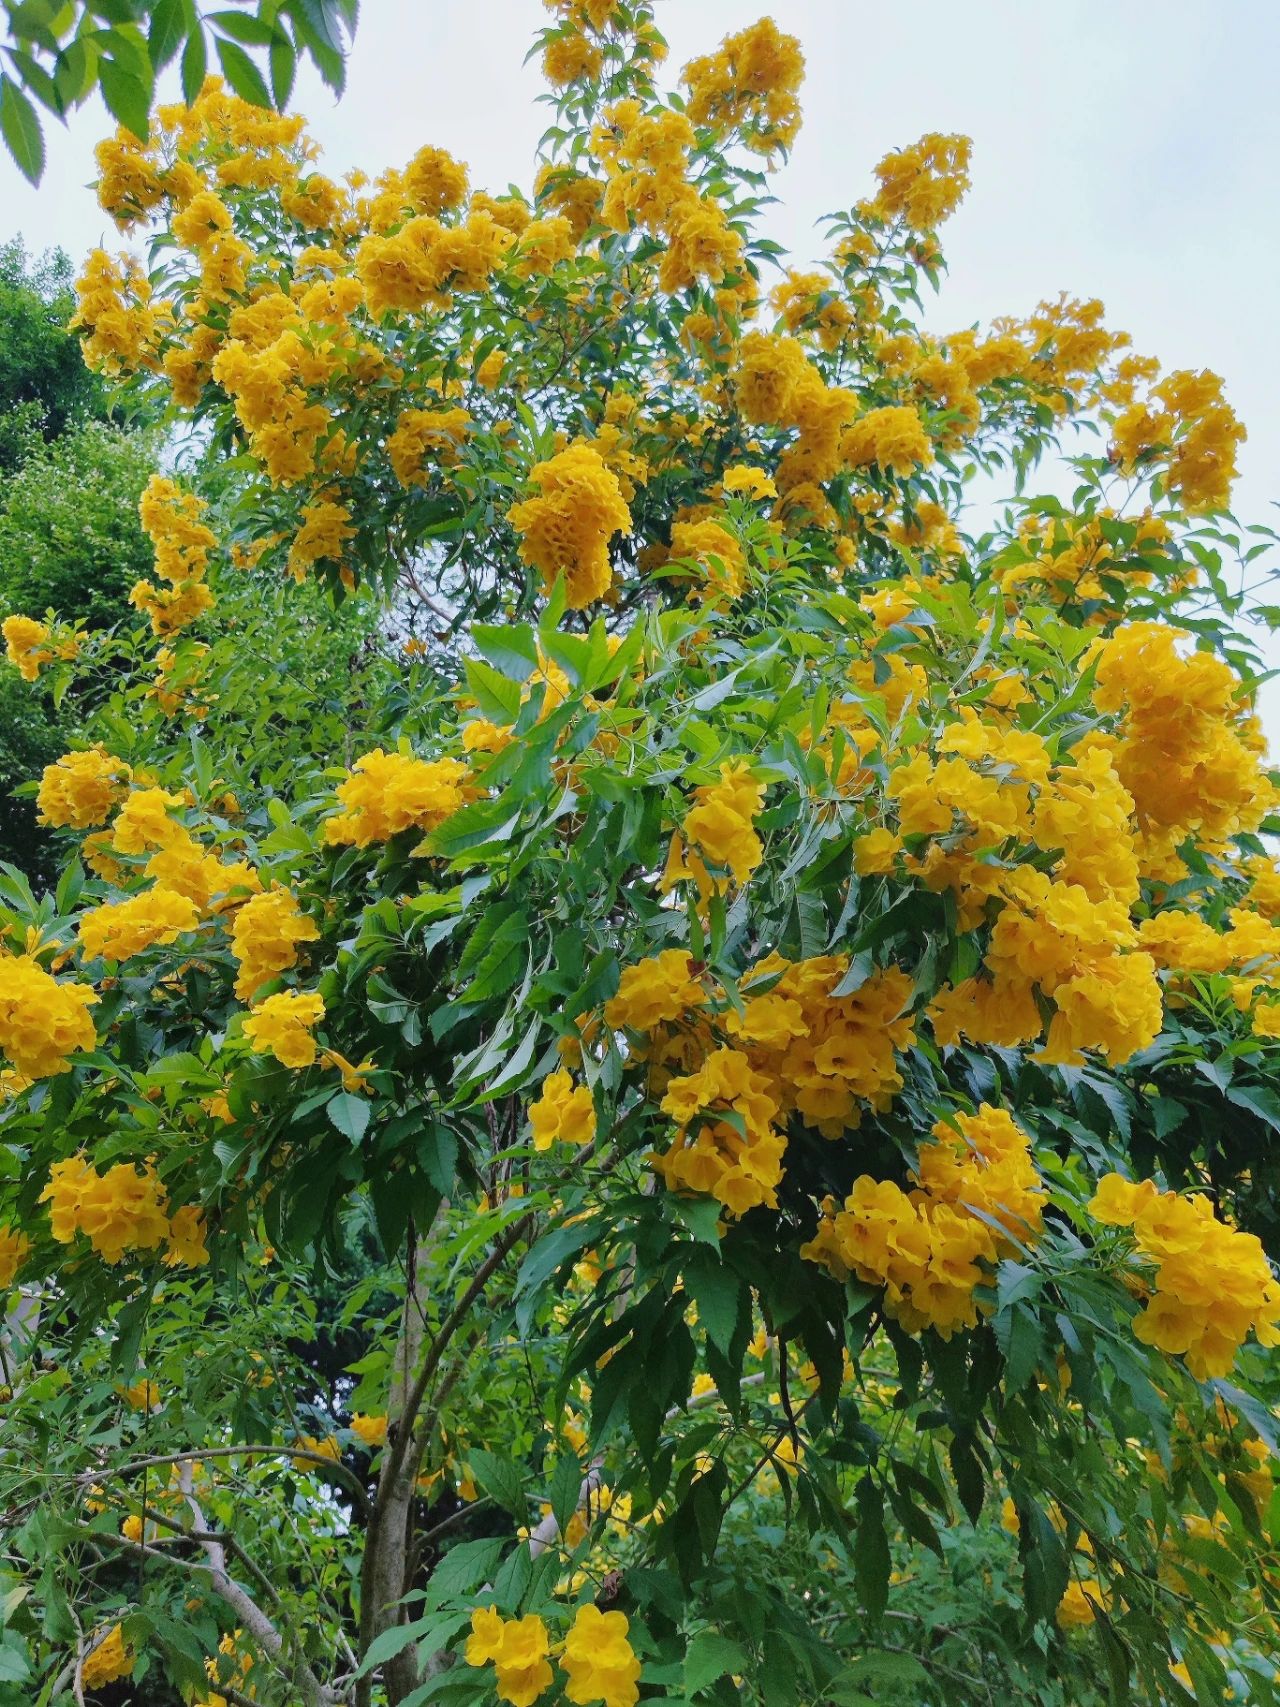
(389, 1541)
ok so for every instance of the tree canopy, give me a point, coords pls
(652, 1071)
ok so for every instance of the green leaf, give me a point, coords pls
(565, 1490)
(284, 66)
(168, 27)
(871, 1549)
(350, 1114)
(464, 1568)
(500, 1480)
(242, 27)
(438, 1156)
(242, 74)
(511, 648)
(710, 1656)
(128, 98)
(1264, 1103)
(496, 694)
(195, 65)
(717, 1292)
(20, 127)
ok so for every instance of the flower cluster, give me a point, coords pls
(171, 521)
(518, 1650)
(388, 793)
(14, 1249)
(562, 1113)
(751, 85)
(719, 829)
(42, 1020)
(283, 1024)
(265, 938)
(124, 1209)
(566, 527)
(1187, 423)
(727, 1143)
(81, 790)
(1213, 1284)
(931, 1247)
(107, 1660)
(121, 929)
(1185, 746)
(597, 1658)
(924, 184)
(30, 644)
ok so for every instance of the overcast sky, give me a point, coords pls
(1119, 151)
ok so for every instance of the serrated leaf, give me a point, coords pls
(242, 74)
(350, 1114)
(128, 98)
(20, 127)
(510, 648)
(710, 1656)
(167, 30)
(283, 62)
(565, 1491)
(195, 65)
(871, 1549)
(716, 1290)
(500, 1480)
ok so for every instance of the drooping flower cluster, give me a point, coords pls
(81, 790)
(122, 1210)
(265, 938)
(931, 1247)
(388, 793)
(718, 830)
(171, 521)
(43, 1020)
(562, 1113)
(107, 1660)
(283, 1024)
(14, 1249)
(566, 527)
(1186, 746)
(1213, 1285)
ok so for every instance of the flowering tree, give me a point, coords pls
(741, 1057)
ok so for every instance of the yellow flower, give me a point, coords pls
(14, 1246)
(186, 1240)
(566, 527)
(108, 1660)
(119, 1211)
(265, 938)
(372, 1430)
(562, 1113)
(282, 1026)
(42, 1021)
(25, 639)
(81, 789)
(517, 1648)
(598, 1660)
(655, 990)
(121, 929)
(388, 793)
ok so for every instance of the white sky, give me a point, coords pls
(1119, 151)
